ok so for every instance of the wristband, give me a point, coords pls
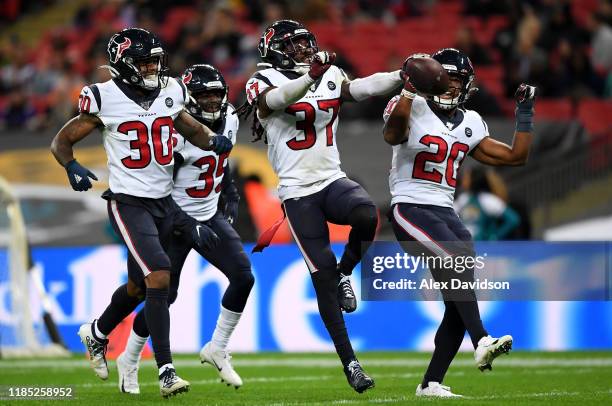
(524, 117)
(407, 94)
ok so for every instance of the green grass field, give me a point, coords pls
(317, 379)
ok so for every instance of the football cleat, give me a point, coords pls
(170, 384)
(490, 348)
(220, 359)
(357, 378)
(96, 350)
(128, 376)
(346, 296)
(434, 389)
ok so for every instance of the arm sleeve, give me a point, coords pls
(228, 187)
(374, 85)
(288, 93)
(178, 162)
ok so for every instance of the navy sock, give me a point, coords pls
(158, 320)
(120, 307)
(326, 285)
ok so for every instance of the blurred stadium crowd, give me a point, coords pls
(562, 46)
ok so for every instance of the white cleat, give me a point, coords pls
(220, 359)
(490, 348)
(128, 376)
(434, 389)
(96, 350)
(170, 384)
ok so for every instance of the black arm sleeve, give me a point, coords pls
(228, 187)
(178, 162)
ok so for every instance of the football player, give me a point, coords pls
(431, 135)
(200, 178)
(297, 97)
(137, 111)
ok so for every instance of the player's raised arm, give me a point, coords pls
(496, 153)
(378, 84)
(397, 113)
(200, 135)
(61, 148)
(279, 98)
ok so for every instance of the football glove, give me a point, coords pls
(204, 238)
(232, 199)
(321, 63)
(525, 95)
(79, 176)
(525, 99)
(220, 144)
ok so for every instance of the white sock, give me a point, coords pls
(164, 367)
(226, 323)
(134, 347)
(97, 331)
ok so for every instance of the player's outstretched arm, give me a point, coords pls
(377, 84)
(200, 135)
(496, 153)
(281, 97)
(61, 148)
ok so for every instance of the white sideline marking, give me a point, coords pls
(513, 362)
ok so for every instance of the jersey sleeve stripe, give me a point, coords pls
(419, 234)
(96, 93)
(183, 88)
(264, 79)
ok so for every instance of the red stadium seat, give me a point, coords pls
(554, 109)
(595, 115)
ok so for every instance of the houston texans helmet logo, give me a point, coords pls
(121, 48)
(187, 78)
(267, 37)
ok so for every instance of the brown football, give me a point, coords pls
(427, 76)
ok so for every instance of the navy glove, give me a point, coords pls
(220, 144)
(204, 238)
(79, 176)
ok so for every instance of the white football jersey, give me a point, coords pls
(197, 183)
(425, 167)
(302, 138)
(137, 135)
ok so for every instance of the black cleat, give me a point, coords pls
(357, 378)
(346, 296)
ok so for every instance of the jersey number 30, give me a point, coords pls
(433, 175)
(162, 155)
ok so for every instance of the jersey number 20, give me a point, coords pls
(141, 143)
(433, 175)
